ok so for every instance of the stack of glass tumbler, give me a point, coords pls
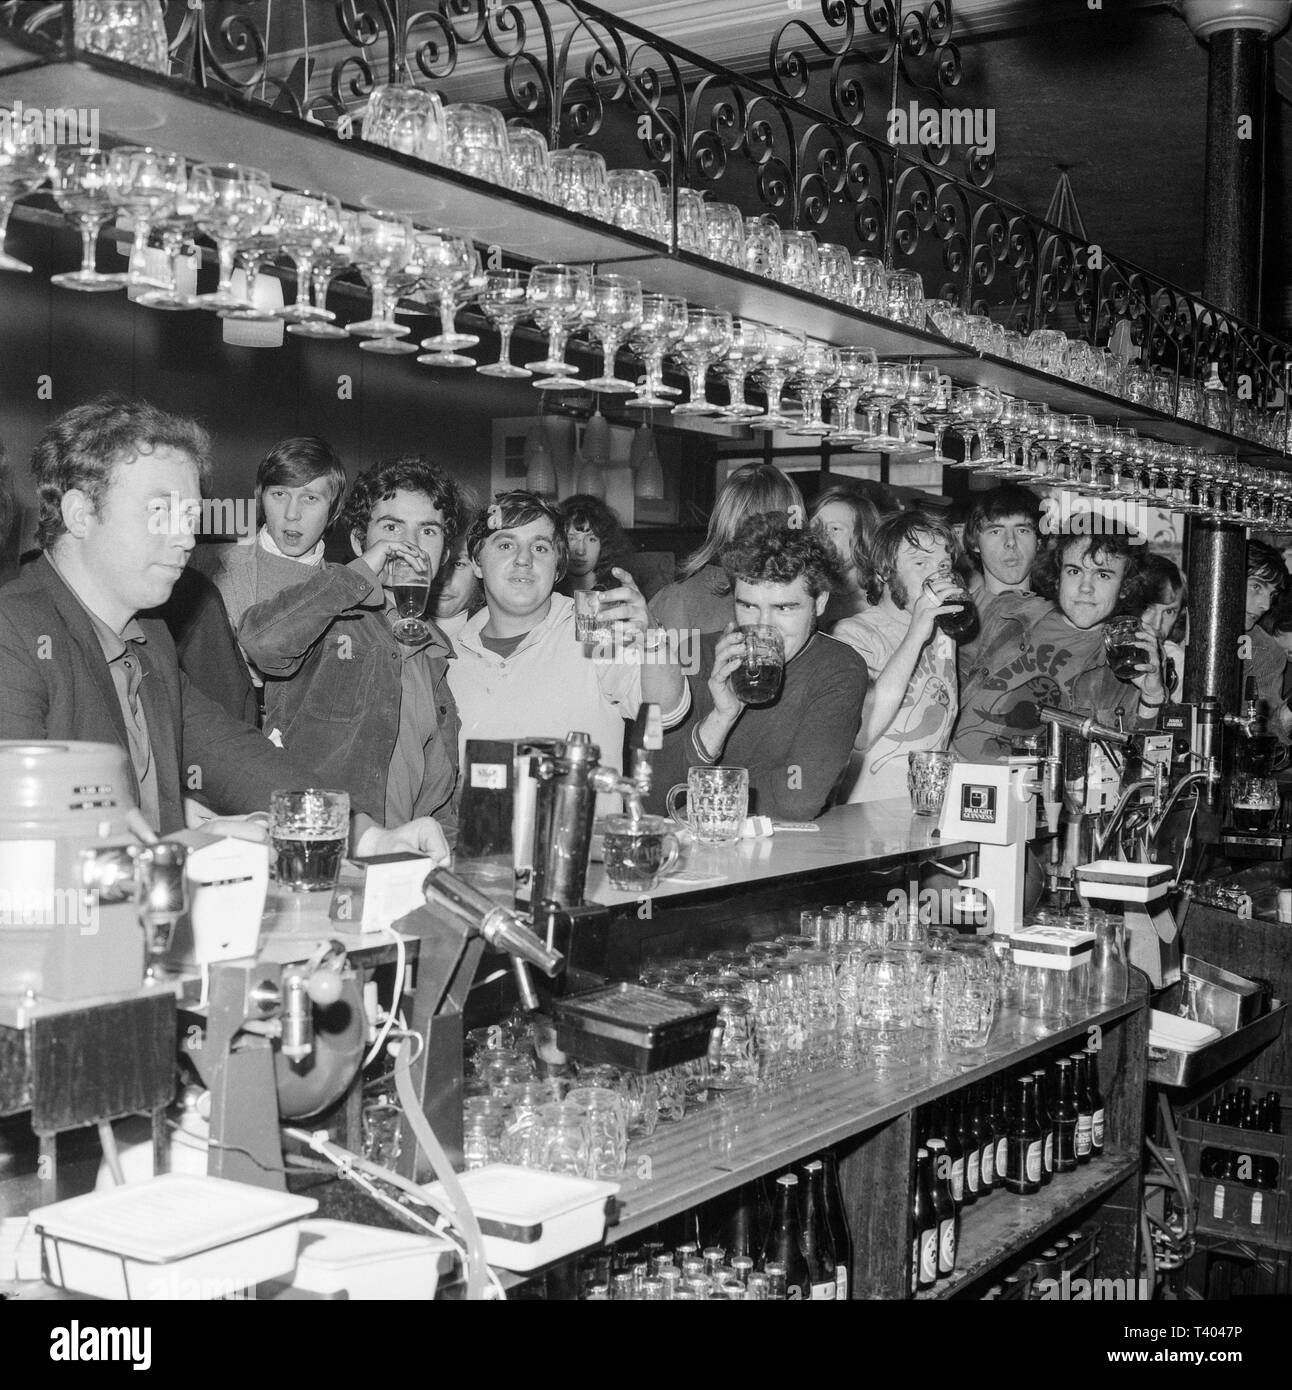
(862, 984)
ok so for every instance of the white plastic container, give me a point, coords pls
(366, 1262)
(529, 1218)
(177, 1236)
(1174, 1034)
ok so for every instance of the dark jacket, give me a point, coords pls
(55, 684)
(795, 747)
(207, 649)
(333, 685)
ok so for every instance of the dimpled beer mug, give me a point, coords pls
(717, 800)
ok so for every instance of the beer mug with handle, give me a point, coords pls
(717, 801)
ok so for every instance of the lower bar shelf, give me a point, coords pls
(1007, 1224)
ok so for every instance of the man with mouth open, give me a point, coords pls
(520, 670)
(1025, 659)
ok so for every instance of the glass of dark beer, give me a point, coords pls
(757, 680)
(1254, 804)
(638, 852)
(961, 624)
(1125, 647)
(309, 830)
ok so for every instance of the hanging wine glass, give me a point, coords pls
(447, 260)
(782, 349)
(707, 337)
(147, 184)
(80, 180)
(742, 357)
(662, 324)
(857, 368)
(1013, 418)
(557, 296)
(817, 369)
(254, 253)
(924, 386)
(230, 201)
(383, 245)
(614, 310)
(327, 266)
(892, 379)
(176, 231)
(979, 408)
(933, 391)
(309, 224)
(503, 302)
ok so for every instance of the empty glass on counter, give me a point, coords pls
(926, 778)
(717, 803)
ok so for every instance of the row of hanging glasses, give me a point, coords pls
(873, 404)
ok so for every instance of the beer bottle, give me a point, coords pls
(986, 1145)
(1273, 1114)
(948, 1217)
(1000, 1125)
(1085, 1111)
(1096, 1103)
(1025, 1161)
(745, 1221)
(817, 1248)
(1046, 1122)
(969, 1144)
(1065, 1120)
(784, 1245)
(837, 1220)
(924, 1227)
(955, 1151)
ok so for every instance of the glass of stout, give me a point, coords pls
(410, 590)
(1125, 647)
(961, 624)
(757, 680)
(309, 830)
(1254, 804)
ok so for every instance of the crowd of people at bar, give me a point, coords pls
(228, 670)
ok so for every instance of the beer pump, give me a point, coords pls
(570, 777)
(1255, 829)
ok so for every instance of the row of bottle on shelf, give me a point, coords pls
(1053, 1271)
(1235, 1107)
(787, 1240)
(1015, 1133)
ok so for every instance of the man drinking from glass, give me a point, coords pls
(777, 696)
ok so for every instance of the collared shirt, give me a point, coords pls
(127, 672)
(546, 688)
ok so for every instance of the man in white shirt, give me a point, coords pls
(912, 702)
(519, 670)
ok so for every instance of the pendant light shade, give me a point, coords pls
(648, 479)
(643, 443)
(596, 440)
(590, 480)
(540, 474)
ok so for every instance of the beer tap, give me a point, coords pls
(501, 927)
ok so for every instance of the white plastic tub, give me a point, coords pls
(178, 1236)
(529, 1218)
(367, 1262)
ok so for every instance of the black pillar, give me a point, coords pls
(1217, 606)
(1238, 82)
(1236, 97)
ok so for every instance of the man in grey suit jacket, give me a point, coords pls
(119, 491)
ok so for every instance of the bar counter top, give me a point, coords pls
(869, 833)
